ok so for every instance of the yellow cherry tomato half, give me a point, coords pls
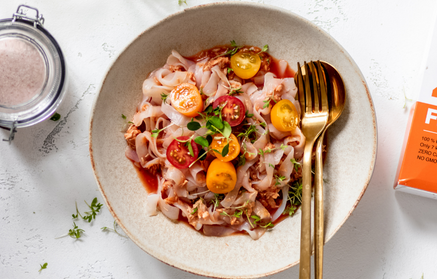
(284, 116)
(245, 64)
(186, 99)
(221, 177)
(218, 144)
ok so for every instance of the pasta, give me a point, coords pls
(220, 131)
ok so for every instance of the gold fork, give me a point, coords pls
(315, 110)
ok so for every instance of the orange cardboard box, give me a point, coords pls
(417, 169)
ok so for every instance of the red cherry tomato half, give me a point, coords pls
(178, 153)
(233, 112)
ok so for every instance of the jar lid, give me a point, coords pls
(32, 71)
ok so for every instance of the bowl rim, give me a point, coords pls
(242, 4)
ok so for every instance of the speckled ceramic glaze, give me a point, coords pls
(348, 167)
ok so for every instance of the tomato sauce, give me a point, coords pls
(149, 181)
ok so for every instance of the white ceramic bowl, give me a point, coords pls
(348, 167)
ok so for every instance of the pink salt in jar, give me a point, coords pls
(32, 71)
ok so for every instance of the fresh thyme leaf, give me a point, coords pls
(190, 148)
(215, 121)
(164, 97)
(202, 141)
(231, 51)
(106, 229)
(296, 164)
(249, 115)
(241, 160)
(43, 266)
(266, 103)
(180, 2)
(227, 129)
(230, 70)
(95, 208)
(290, 210)
(295, 193)
(194, 211)
(123, 116)
(255, 218)
(269, 225)
(156, 132)
(263, 124)
(75, 232)
(225, 150)
(239, 213)
(248, 132)
(235, 91)
(265, 48)
(271, 165)
(193, 125)
(57, 116)
(208, 110)
(279, 179)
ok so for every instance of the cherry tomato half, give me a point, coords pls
(221, 177)
(186, 99)
(219, 142)
(178, 153)
(284, 116)
(245, 64)
(234, 110)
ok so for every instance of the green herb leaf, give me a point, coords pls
(75, 232)
(216, 122)
(106, 229)
(202, 154)
(193, 125)
(265, 48)
(156, 132)
(43, 266)
(225, 150)
(227, 129)
(266, 103)
(194, 211)
(235, 91)
(164, 97)
(290, 210)
(296, 164)
(249, 115)
(209, 139)
(230, 70)
(269, 225)
(202, 141)
(57, 116)
(123, 116)
(263, 124)
(95, 208)
(241, 160)
(190, 148)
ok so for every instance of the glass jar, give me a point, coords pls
(32, 71)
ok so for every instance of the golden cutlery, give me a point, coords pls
(315, 110)
(337, 98)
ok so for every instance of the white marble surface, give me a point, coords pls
(47, 167)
